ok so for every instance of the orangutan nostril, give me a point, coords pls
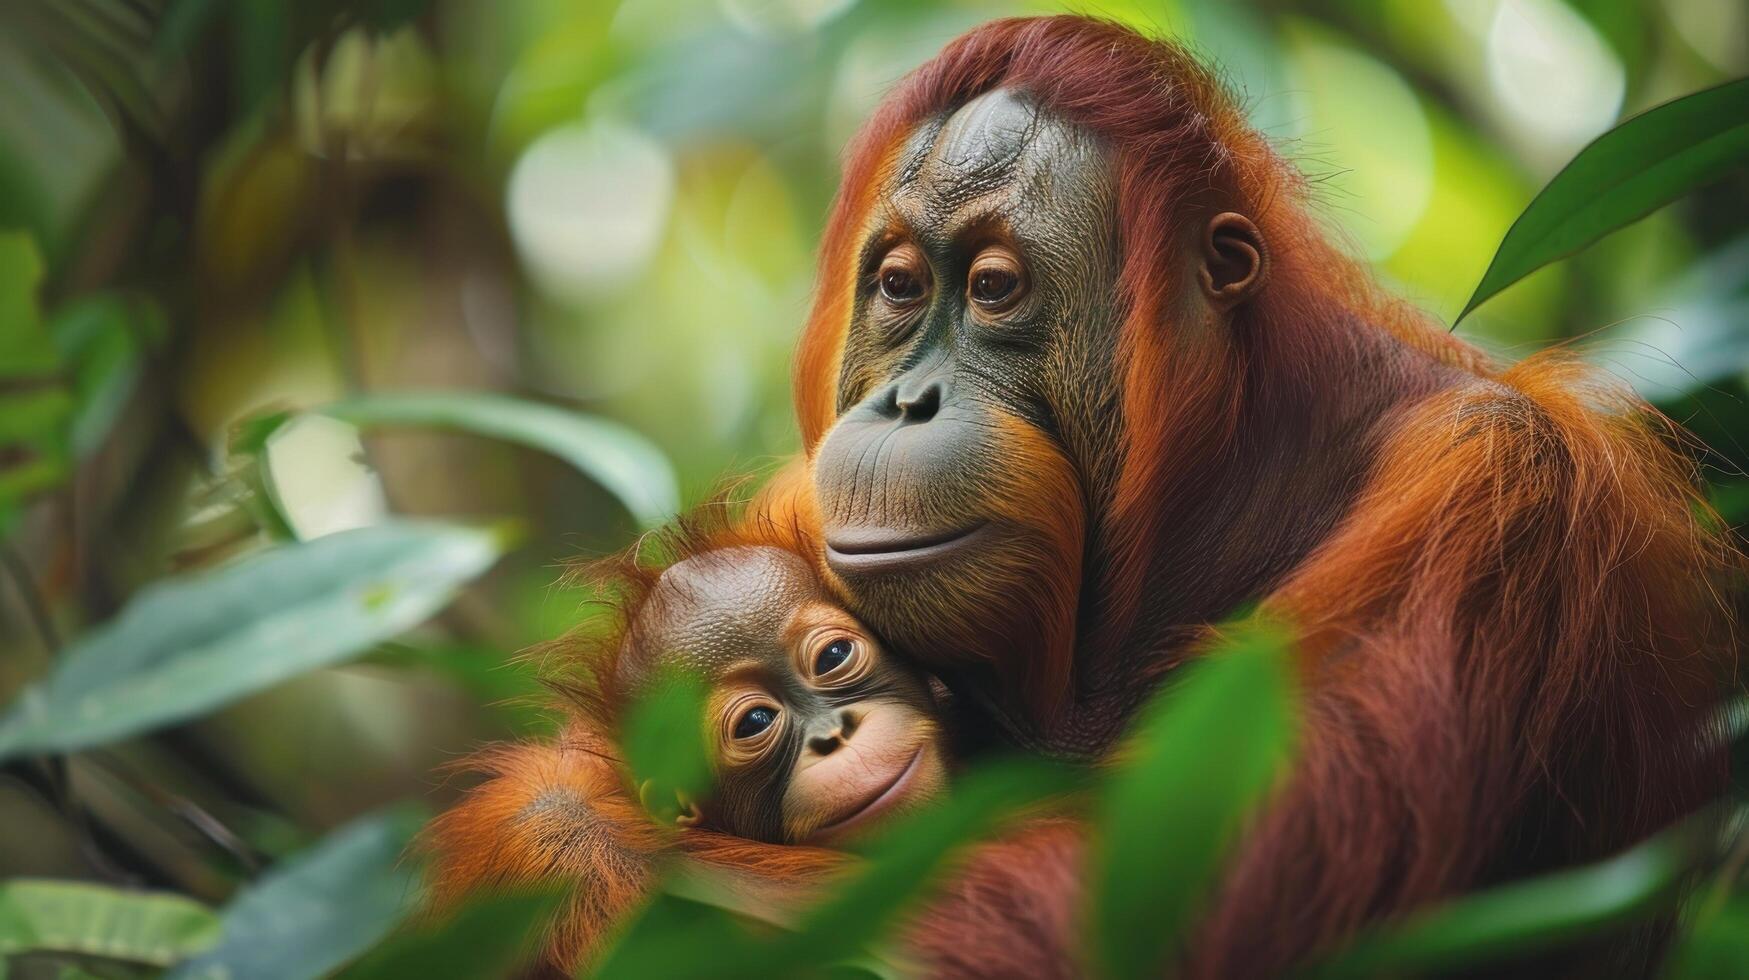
(922, 406)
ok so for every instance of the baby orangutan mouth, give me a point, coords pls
(817, 732)
(916, 783)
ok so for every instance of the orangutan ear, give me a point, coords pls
(1235, 260)
(685, 811)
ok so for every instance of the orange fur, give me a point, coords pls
(1505, 577)
(566, 813)
(549, 814)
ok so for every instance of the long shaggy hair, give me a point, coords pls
(1515, 628)
(567, 812)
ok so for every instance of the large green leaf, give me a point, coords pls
(490, 937)
(1529, 915)
(191, 644)
(680, 937)
(317, 910)
(1622, 176)
(692, 938)
(1716, 944)
(102, 339)
(34, 405)
(1205, 752)
(664, 743)
(909, 856)
(25, 349)
(96, 920)
(627, 464)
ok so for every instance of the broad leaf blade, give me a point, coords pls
(25, 349)
(191, 644)
(1205, 752)
(1717, 945)
(1529, 915)
(101, 339)
(35, 408)
(1622, 176)
(686, 937)
(679, 937)
(625, 463)
(490, 937)
(908, 857)
(317, 910)
(95, 920)
(664, 743)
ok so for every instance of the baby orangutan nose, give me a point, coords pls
(826, 744)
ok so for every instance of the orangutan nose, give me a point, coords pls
(848, 719)
(912, 400)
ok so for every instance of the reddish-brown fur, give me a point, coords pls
(1508, 629)
(1511, 637)
(565, 813)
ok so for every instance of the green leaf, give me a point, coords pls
(1168, 816)
(25, 349)
(680, 937)
(1622, 176)
(1717, 945)
(909, 856)
(191, 644)
(319, 909)
(625, 463)
(96, 920)
(101, 338)
(686, 937)
(664, 743)
(183, 22)
(34, 406)
(1530, 915)
(489, 937)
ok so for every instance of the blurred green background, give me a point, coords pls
(213, 211)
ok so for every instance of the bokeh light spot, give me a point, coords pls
(587, 206)
(1557, 80)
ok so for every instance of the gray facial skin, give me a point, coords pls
(753, 622)
(928, 483)
(912, 456)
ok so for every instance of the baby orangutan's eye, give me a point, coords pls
(833, 656)
(755, 721)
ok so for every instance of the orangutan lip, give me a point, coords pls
(891, 794)
(884, 552)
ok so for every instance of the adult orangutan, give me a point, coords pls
(1082, 377)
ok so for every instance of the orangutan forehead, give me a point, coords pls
(999, 145)
(715, 610)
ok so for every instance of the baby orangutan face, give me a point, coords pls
(816, 732)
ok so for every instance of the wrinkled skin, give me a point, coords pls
(816, 733)
(960, 485)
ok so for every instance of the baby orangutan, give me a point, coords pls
(815, 732)
(816, 735)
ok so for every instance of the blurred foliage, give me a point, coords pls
(293, 295)
(1161, 841)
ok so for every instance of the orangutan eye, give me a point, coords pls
(833, 656)
(755, 721)
(901, 279)
(900, 286)
(996, 280)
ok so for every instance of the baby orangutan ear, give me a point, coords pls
(682, 811)
(1235, 260)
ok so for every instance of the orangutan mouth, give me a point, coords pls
(882, 550)
(893, 794)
